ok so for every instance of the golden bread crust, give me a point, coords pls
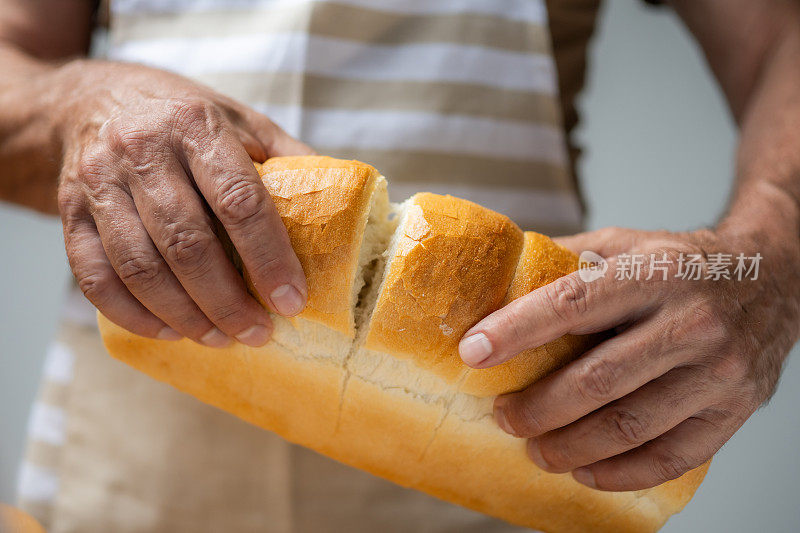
(542, 261)
(395, 435)
(322, 201)
(15, 521)
(452, 267)
(403, 405)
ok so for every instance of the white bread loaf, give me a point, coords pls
(15, 521)
(369, 373)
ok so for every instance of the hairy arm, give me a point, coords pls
(753, 49)
(37, 37)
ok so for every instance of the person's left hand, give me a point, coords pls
(687, 363)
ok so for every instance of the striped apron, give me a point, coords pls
(449, 96)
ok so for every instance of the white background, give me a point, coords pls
(659, 150)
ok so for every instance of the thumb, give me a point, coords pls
(606, 241)
(285, 144)
(274, 140)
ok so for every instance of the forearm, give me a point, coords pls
(30, 146)
(36, 40)
(752, 48)
(766, 202)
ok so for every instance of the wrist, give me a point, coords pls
(32, 153)
(763, 216)
(72, 105)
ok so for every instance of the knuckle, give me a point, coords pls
(95, 183)
(196, 113)
(595, 380)
(667, 465)
(738, 407)
(131, 140)
(672, 259)
(627, 427)
(672, 254)
(170, 208)
(669, 333)
(567, 297)
(232, 312)
(512, 324)
(95, 286)
(730, 367)
(70, 204)
(240, 201)
(91, 166)
(188, 250)
(271, 265)
(138, 269)
(706, 323)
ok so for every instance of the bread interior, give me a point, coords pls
(310, 338)
(393, 373)
(380, 261)
(384, 230)
(379, 226)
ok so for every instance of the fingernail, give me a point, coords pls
(475, 349)
(536, 454)
(287, 300)
(257, 335)
(169, 334)
(215, 339)
(584, 476)
(502, 421)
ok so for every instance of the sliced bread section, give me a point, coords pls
(541, 262)
(451, 264)
(325, 204)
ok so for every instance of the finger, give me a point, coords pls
(274, 140)
(687, 446)
(176, 221)
(639, 417)
(605, 373)
(568, 305)
(253, 146)
(101, 285)
(143, 271)
(605, 241)
(233, 189)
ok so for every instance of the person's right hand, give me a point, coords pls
(148, 156)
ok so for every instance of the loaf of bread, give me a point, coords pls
(15, 521)
(369, 373)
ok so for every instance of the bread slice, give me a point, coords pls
(369, 374)
(325, 204)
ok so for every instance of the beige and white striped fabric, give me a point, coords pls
(455, 96)
(449, 96)
(38, 479)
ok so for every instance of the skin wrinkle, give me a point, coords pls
(136, 128)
